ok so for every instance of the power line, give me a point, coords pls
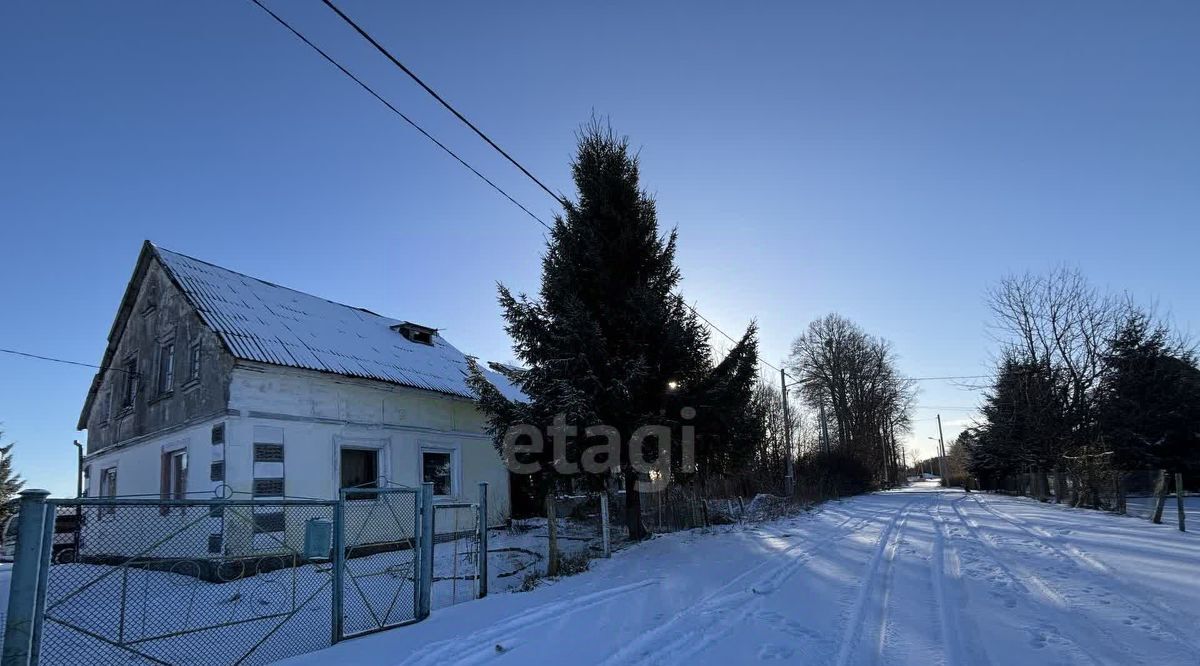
(379, 47)
(395, 61)
(389, 105)
(62, 360)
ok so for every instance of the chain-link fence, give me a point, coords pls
(225, 582)
(456, 550)
(219, 581)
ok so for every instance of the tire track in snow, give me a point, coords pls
(951, 629)
(853, 632)
(484, 642)
(1071, 554)
(700, 624)
(1114, 653)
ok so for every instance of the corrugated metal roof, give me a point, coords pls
(261, 321)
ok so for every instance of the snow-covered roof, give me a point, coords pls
(264, 322)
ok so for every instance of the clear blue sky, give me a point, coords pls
(887, 161)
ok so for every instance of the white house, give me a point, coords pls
(217, 384)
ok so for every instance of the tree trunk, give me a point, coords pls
(633, 507)
(1119, 481)
(1060, 485)
(552, 528)
(1160, 497)
(1043, 486)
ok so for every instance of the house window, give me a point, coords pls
(216, 471)
(360, 469)
(108, 488)
(437, 467)
(108, 482)
(166, 368)
(218, 433)
(174, 475)
(194, 362)
(129, 369)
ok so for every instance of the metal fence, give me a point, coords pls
(218, 581)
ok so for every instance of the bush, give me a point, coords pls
(833, 474)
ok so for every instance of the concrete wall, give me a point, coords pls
(321, 413)
(160, 313)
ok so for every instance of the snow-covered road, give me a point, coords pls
(890, 578)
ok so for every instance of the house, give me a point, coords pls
(217, 384)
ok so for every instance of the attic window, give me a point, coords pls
(416, 333)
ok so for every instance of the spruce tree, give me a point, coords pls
(1150, 399)
(10, 483)
(609, 341)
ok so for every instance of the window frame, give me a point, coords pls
(105, 489)
(454, 452)
(129, 368)
(195, 360)
(165, 379)
(378, 457)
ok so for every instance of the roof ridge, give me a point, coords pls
(159, 248)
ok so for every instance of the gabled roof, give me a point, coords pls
(264, 322)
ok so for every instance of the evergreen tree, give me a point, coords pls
(609, 341)
(10, 483)
(1023, 426)
(1150, 399)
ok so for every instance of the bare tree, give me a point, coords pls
(853, 376)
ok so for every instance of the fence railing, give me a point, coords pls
(222, 581)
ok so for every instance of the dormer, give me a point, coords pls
(422, 335)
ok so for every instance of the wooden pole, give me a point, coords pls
(1179, 498)
(1160, 497)
(604, 521)
(552, 529)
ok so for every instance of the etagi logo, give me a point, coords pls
(527, 440)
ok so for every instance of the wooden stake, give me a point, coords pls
(1160, 497)
(552, 527)
(1179, 498)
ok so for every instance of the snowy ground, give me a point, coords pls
(183, 619)
(891, 578)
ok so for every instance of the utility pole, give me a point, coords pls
(789, 480)
(941, 452)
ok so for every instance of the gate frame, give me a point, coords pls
(423, 534)
(35, 544)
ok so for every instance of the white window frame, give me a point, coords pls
(383, 458)
(102, 487)
(455, 452)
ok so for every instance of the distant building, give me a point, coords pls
(216, 384)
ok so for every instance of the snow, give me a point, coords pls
(261, 321)
(919, 576)
(222, 621)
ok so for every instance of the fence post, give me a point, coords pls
(49, 518)
(481, 573)
(1179, 498)
(1160, 497)
(604, 522)
(22, 623)
(339, 564)
(426, 561)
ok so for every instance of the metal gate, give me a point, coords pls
(213, 581)
(185, 581)
(379, 583)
